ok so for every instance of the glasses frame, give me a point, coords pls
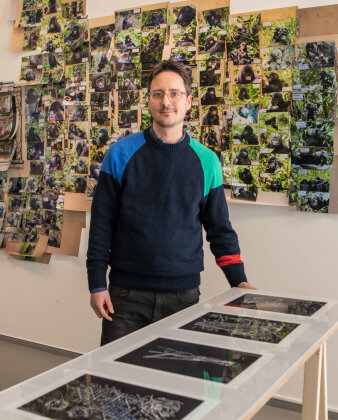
(167, 94)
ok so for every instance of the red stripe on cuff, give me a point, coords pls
(228, 260)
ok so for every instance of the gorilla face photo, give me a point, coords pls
(209, 95)
(33, 133)
(53, 25)
(184, 16)
(211, 115)
(250, 73)
(210, 74)
(102, 137)
(99, 100)
(273, 165)
(277, 145)
(94, 171)
(56, 162)
(242, 157)
(100, 82)
(56, 111)
(100, 117)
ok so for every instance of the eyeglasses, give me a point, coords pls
(173, 95)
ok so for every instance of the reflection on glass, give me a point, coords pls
(277, 304)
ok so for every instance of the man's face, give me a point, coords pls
(168, 113)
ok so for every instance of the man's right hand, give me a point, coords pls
(102, 305)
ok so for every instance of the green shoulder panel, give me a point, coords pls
(210, 164)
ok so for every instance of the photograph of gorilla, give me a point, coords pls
(216, 18)
(317, 54)
(246, 136)
(54, 26)
(277, 102)
(208, 77)
(211, 43)
(154, 19)
(186, 16)
(272, 83)
(246, 114)
(242, 157)
(238, 53)
(244, 193)
(277, 146)
(100, 38)
(100, 82)
(247, 74)
(211, 117)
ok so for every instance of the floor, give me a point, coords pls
(18, 363)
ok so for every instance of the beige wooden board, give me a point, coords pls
(101, 21)
(17, 38)
(13, 248)
(314, 21)
(76, 202)
(18, 16)
(73, 222)
(211, 4)
(333, 205)
(44, 259)
(272, 14)
(155, 6)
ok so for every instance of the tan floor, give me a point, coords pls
(272, 413)
(18, 363)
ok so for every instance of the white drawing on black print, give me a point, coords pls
(169, 353)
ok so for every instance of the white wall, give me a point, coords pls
(283, 250)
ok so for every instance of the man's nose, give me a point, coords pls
(165, 99)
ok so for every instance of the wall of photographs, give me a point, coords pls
(264, 104)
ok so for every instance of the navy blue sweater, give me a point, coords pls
(150, 203)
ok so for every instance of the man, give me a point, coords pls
(155, 191)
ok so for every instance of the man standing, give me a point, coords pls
(155, 191)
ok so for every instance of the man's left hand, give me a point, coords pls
(245, 285)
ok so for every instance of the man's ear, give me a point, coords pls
(189, 100)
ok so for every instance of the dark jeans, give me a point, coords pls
(135, 309)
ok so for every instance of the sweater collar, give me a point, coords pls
(154, 140)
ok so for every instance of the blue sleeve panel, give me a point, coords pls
(119, 154)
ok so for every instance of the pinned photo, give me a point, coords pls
(215, 18)
(127, 19)
(182, 16)
(31, 38)
(154, 19)
(246, 114)
(101, 37)
(279, 32)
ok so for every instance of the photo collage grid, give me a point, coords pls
(264, 104)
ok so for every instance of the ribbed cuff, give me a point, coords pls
(97, 279)
(235, 274)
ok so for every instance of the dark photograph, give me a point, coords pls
(277, 304)
(93, 397)
(242, 327)
(189, 359)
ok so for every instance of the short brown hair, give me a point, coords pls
(176, 67)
